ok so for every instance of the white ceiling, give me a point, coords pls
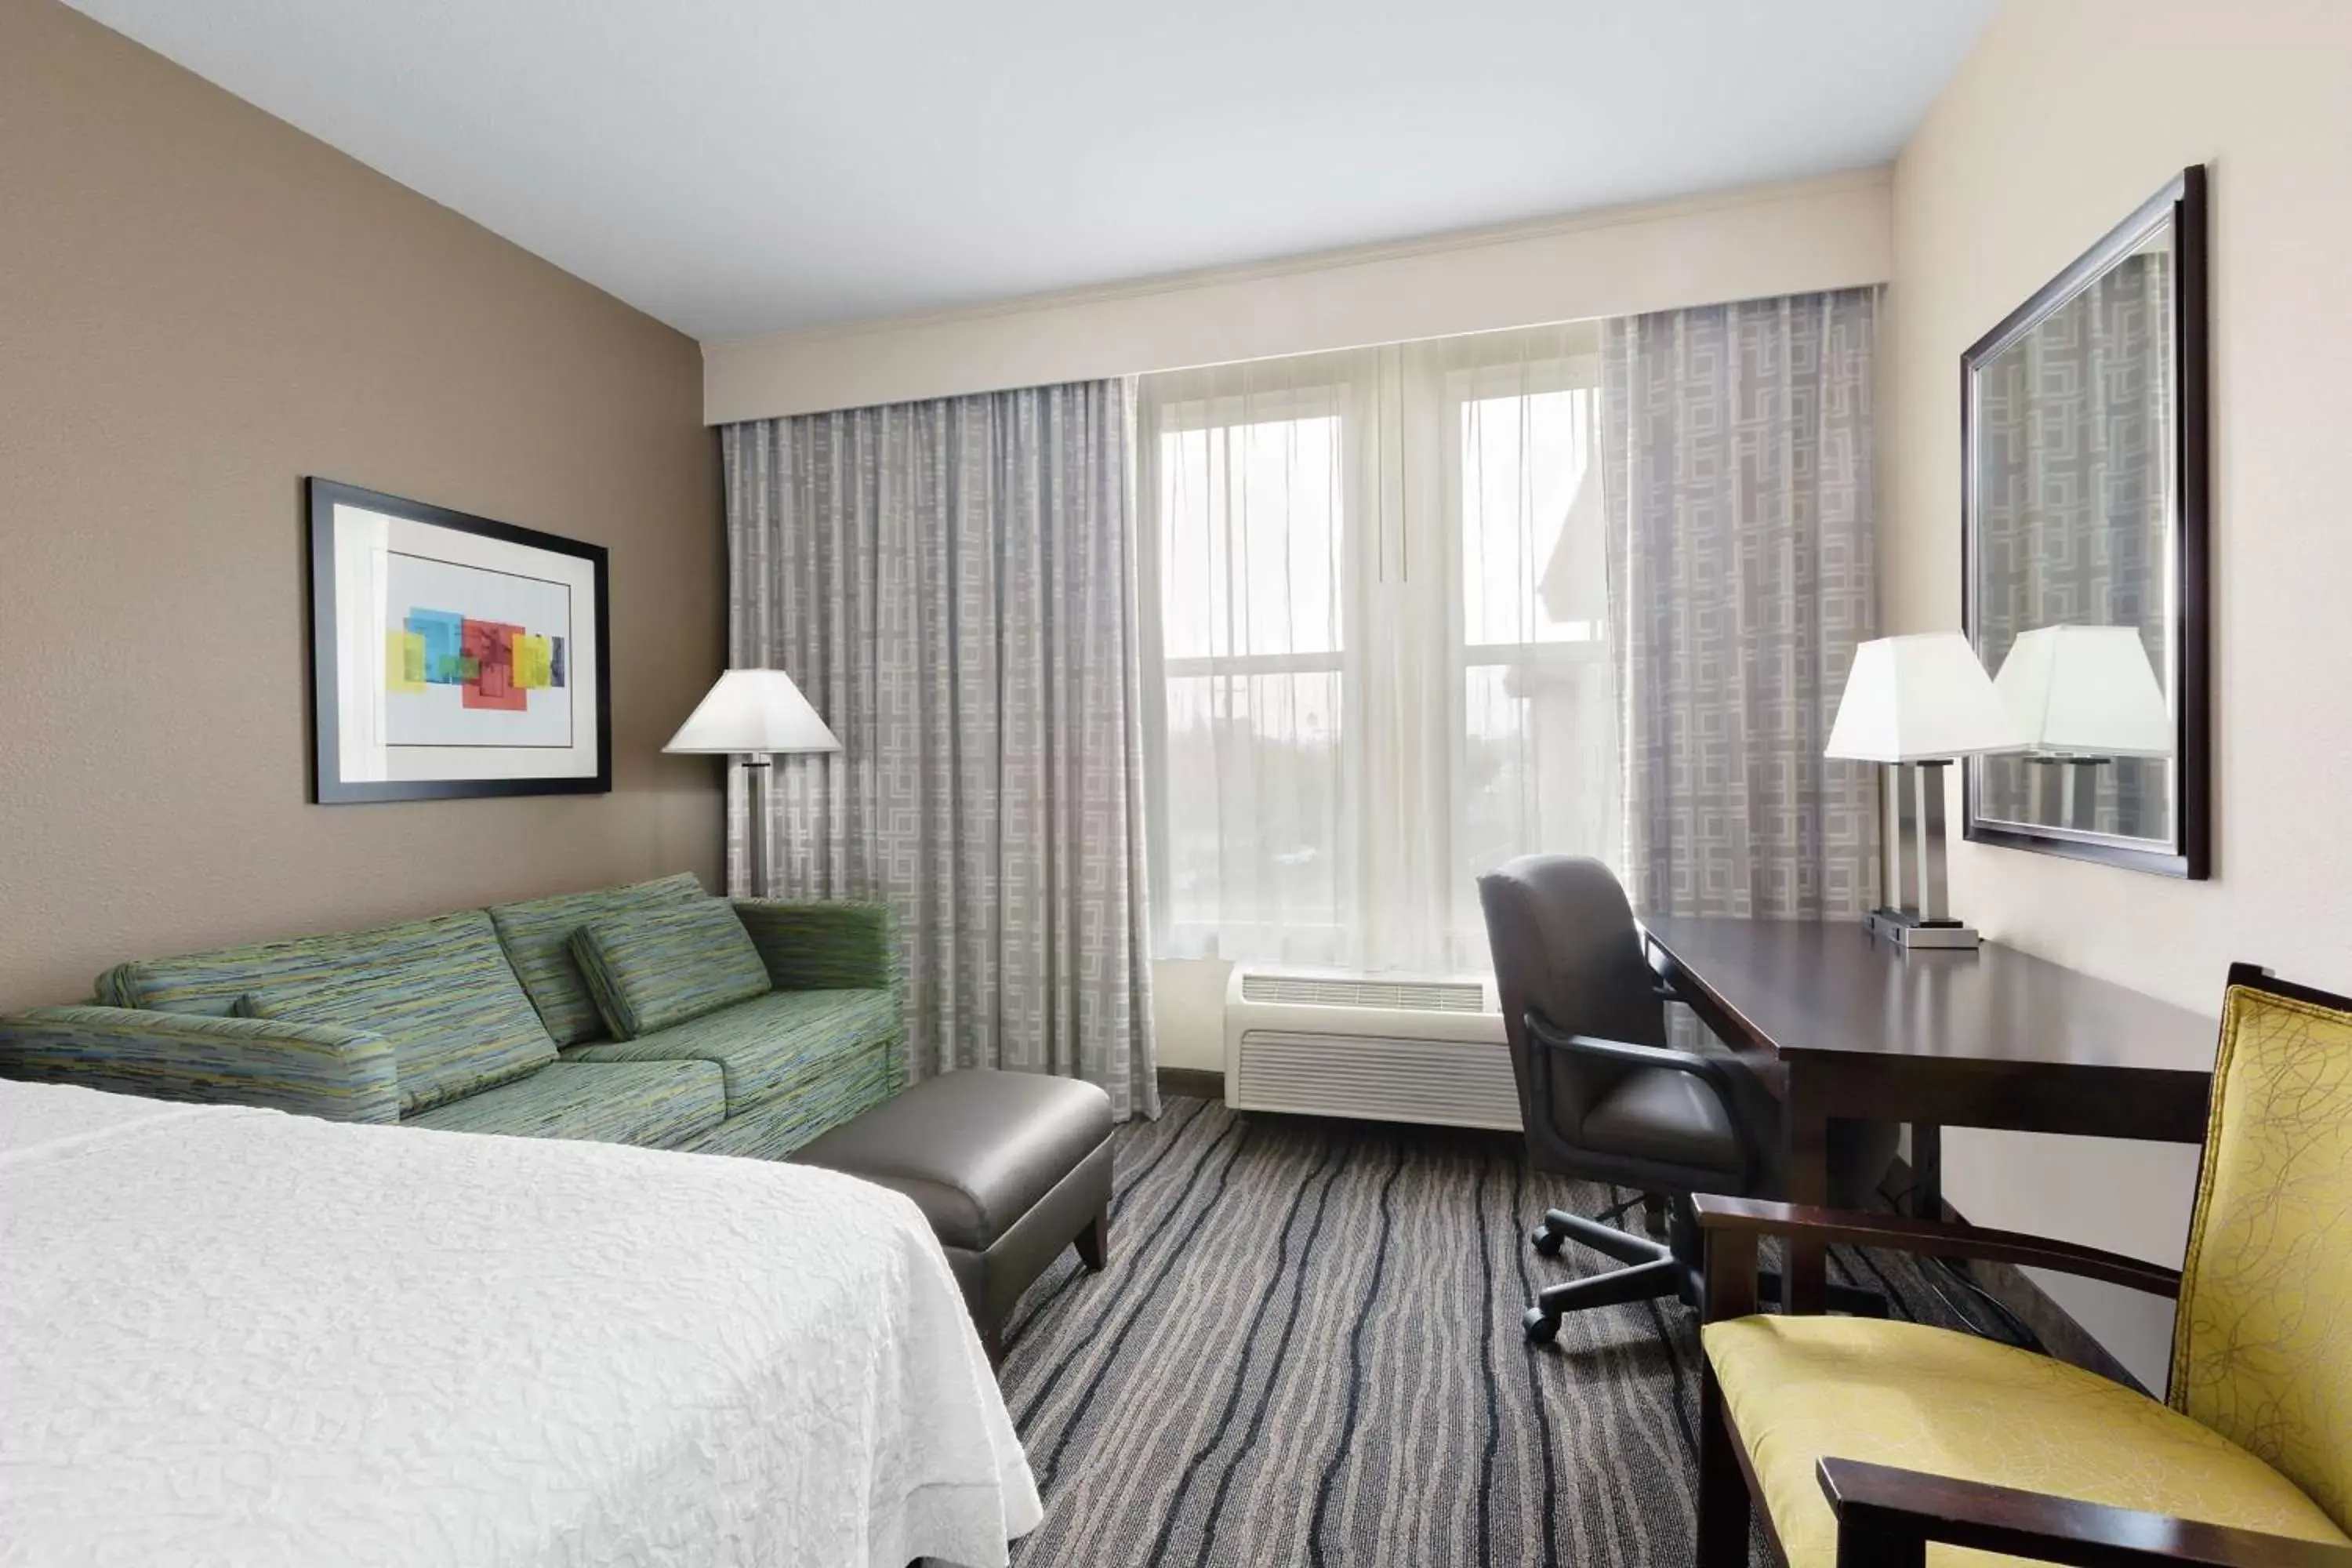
(739, 166)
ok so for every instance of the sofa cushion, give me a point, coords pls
(537, 935)
(833, 1090)
(654, 1104)
(440, 991)
(785, 1043)
(651, 968)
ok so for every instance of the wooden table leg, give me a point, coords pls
(1804, 1275)
(1926, 1171)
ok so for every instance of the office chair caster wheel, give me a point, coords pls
(1546, 1240)
(1540, 1325)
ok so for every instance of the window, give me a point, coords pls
(1250, 559)
(1375, 644)
(1538, 719)
(1248, 624)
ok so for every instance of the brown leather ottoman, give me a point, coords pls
(1009, 1168)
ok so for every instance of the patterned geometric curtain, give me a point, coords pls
(2074, 455)
(952, 583)
(1736, 466)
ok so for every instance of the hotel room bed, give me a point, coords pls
(233, 1336)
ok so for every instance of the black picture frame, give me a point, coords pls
(2182, 204)
(328, 787)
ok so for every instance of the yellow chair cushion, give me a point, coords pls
(1921, 1398)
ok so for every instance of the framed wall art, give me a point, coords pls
(451, 655)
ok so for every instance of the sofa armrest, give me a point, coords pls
(823, 945)
(311, 1070)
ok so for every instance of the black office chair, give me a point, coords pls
(1603, 1097)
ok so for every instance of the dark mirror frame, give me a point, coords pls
(2190, 854)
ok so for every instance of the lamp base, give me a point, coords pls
(1908, 930)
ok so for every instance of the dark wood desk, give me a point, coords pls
(1843, 1025)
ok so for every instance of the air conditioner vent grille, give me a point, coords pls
(1342, 991)
(1447, 1083)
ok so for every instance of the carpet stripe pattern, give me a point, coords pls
(1307, 1351)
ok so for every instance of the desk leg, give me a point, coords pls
(1805, 1275)
(1926, 1171)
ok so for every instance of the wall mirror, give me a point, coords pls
(2084, 459)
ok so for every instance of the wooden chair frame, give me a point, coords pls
(1885, 1516)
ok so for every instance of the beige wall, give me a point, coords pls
(1768, 239)
(198, 306)
(2064, 118)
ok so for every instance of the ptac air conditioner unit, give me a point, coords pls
(1380, 1049)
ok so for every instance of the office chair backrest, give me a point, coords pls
(1565, 947)
(2261, 1346)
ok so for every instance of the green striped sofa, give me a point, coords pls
(481, 1022)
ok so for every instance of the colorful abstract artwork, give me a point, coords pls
(493, 664)
(453, 655)
(475, 657)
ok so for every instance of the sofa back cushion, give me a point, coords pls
(537, 933)
(662, 966)
(440, 991)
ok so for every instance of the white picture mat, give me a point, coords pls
(364, 616)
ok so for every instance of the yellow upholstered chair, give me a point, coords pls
(1865, 1440)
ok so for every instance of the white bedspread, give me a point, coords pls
(233, 1336)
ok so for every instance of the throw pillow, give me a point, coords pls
(651, 968)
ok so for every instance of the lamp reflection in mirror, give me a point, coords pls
(755, 714)
(1917, 704)
(2082, 697)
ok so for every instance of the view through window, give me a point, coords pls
(1377, 658)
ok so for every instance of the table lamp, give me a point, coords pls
(755, 714)
(2083, 696)
(1916, 702)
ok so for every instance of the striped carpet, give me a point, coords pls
(1307, 1352)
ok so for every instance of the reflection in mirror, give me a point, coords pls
(2074, 544)
(2074, 473)
(2090, 708)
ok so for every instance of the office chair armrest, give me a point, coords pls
(1887, 1515)
(1712, 1071)
(1730, 1226)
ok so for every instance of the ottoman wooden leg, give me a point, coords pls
(1093, 1242)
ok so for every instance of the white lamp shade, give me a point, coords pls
(1917, 698)
(2086, 691)
(759, 712)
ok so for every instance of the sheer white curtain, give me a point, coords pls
(1376, 655)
